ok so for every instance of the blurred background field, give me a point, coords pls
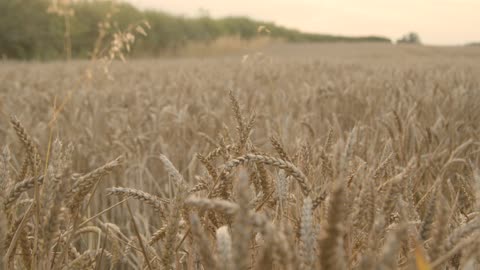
(180, 107)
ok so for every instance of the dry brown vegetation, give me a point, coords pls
(307, 157)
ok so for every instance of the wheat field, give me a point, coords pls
(300, 157)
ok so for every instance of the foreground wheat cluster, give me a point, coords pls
(306, 165)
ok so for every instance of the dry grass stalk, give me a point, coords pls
(19, 188)
(332, 255)
(210, 169)
(241, 228)
(223, 206)
(307, 236)
(288, 167)
(279, 148)
(152, 200)
(84, 184)
(203, 244)
(224, 248)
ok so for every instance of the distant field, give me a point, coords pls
(322, 156)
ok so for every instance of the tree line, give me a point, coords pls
(28, 30)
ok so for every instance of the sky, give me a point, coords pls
(438, 22)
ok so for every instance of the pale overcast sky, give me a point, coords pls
(442, 22)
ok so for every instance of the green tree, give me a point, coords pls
(410, 38)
